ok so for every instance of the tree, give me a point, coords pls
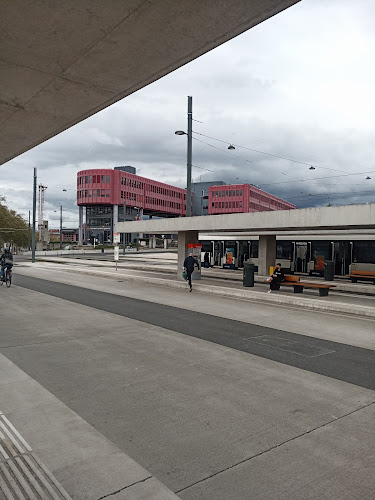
(13, 228)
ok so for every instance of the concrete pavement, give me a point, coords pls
(207, 420)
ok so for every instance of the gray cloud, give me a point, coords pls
(299, 86)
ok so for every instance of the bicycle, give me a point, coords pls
(7, 277)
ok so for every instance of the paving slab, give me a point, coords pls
(87, 465)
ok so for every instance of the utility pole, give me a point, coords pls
(29, 245)
(124, 234)
(60, 227)
(34, 215)
(189, 155)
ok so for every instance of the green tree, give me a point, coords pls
(13, 228)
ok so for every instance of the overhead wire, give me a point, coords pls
(268, 154)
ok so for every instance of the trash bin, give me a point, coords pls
(328, 270)
(248, 274)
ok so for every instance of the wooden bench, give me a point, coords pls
(298, 285)
(362, 275)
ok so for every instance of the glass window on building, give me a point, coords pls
(237, 192)
(240, 192)
(90, 179)
(364, 251)
(108, 179)
(86, 179)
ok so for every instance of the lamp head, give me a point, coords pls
(180, 132)
(231, 146)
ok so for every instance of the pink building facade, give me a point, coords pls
(112, 195)
(243, 198)
(114, 187)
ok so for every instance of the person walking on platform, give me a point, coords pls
(189, 264)
(277, 277)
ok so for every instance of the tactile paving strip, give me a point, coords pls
(22, 474)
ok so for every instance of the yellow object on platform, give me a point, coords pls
(272, 269)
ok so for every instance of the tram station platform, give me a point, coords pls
(347, 298)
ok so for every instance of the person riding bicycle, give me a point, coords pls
(6, 261)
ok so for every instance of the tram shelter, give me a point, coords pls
(267, 225)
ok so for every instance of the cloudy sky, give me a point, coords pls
(299, 86)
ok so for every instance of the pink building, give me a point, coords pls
(112, 195)
(114, 187)
(243, 198)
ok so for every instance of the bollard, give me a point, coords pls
(248, 274)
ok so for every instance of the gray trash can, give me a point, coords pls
(329, 272)
(248, 274)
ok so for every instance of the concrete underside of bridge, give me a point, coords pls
(265, 224)
(61, 62)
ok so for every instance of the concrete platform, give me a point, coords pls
(78, 457)
(208, 421)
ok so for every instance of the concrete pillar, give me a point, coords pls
(165, 244)
(80, 224)
(266, 254)
(154, 242)
(140, 235)
(115, 218)
(184, 238)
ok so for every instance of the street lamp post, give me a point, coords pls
(189, 154)
(124, 234)
(60, 227)
(34, 217)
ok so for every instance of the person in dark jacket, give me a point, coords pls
(206, 260)
(6, 261)
(277, 277)
(189, 264)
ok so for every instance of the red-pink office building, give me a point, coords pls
(105, 191)
(243, 198)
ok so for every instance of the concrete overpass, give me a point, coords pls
(265, 224)
(61, 62)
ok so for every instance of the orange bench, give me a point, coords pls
(298, 285)
(362, 275)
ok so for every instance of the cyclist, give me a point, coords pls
(6, 261)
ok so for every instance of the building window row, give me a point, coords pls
(164, 191)
(98, 210)
(226, 193)
(163, 203)
(93, 179)
(125, 181)
(227, 204)
(131, 196)
(93, 193)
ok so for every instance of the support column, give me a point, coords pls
(266, 254)
(140, 235)
(184, 238)
(80, 225)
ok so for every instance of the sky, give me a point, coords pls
(299, 86)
